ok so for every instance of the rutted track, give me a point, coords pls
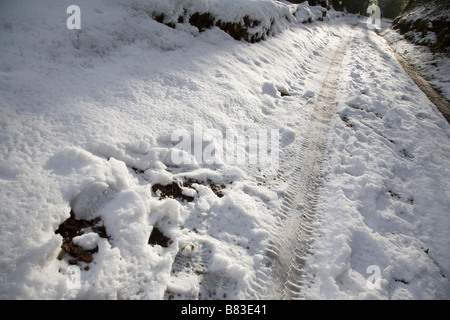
(288, 248)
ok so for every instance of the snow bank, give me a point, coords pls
(251, 20)
(421, 35)
(86, 123)
(426, 24)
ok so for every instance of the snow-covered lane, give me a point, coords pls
(289, 245)
(86, 126)
(383, 217)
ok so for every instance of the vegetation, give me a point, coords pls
(389, 8)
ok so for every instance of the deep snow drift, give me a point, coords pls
(87, 125)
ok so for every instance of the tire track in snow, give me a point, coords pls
(289, 246)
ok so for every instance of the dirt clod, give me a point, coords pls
(175, 189)
(158, 238)
(72, 228)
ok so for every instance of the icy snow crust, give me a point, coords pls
(86, 123)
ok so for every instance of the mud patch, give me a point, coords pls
(175, 189)
(217, 189)
(158, 238)
(72, 228)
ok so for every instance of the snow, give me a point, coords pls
(379, 181)
(88, 241)
(435, 66)
(87, 124)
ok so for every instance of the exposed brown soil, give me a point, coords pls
(237, 30)
(72, 228)
(158, 238)
(217, 189)
(175, 191)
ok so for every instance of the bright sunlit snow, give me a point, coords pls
(87, 123)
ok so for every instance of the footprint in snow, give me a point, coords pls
(191, 278)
